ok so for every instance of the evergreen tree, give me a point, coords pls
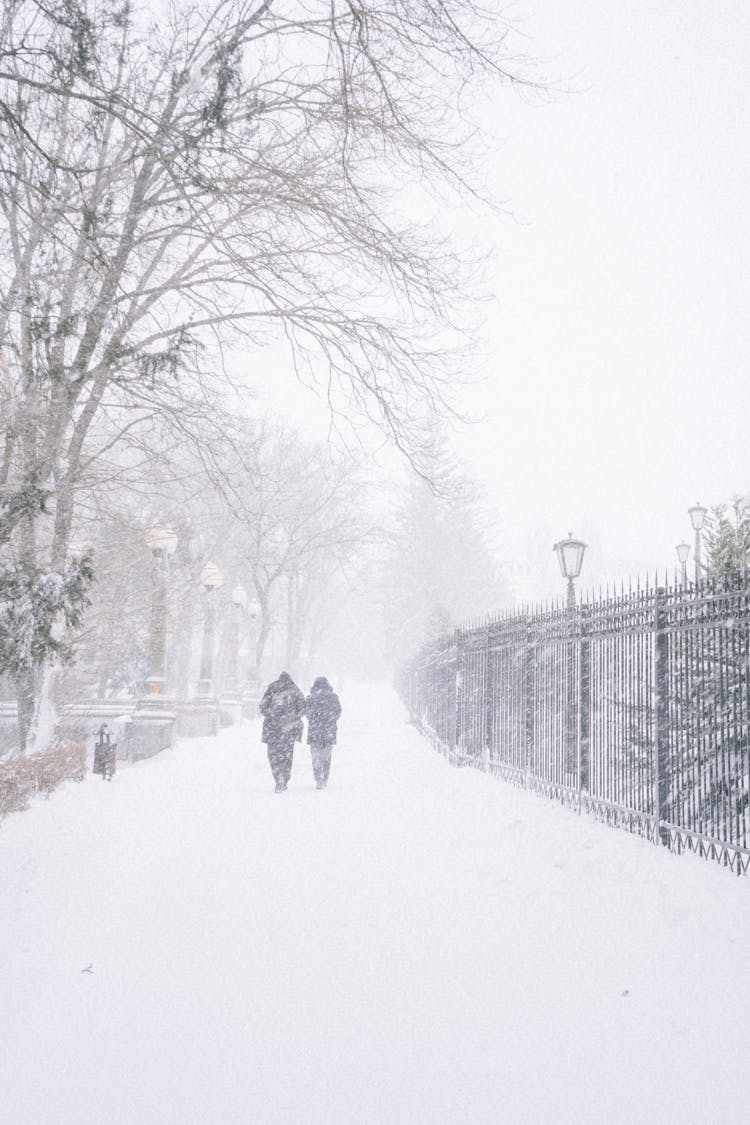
(727, 538)
(439, 567)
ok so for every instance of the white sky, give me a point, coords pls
(617, 389)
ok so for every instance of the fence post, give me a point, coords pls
(661, 715)
(584, 702)
(529, 697)
(460, 676)
(489, 701)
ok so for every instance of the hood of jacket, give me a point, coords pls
(321, 684)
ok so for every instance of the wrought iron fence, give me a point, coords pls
(634, 708)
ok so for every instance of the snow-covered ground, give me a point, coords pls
(416, 944)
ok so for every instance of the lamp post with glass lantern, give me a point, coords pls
(570, 554)
(162, 541)
(152, 727)
(697, 518)
(683, 553)
(211, 579)
(231, 683)
(252, 693)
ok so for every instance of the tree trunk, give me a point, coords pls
(25, 700)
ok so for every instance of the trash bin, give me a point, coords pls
(105, 754)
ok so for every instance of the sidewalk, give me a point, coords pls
(415, 944)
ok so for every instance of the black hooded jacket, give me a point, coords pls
(323, 711)
(282, 708)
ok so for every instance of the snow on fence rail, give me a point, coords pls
(634, 708)
(22, 778)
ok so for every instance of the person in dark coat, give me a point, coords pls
(323, 712)
(282, 708)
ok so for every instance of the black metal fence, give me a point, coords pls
(634, 708)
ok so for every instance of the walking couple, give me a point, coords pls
(283, 707)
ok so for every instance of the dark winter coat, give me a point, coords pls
(282, 708)
(323, 711)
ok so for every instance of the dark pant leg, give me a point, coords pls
(273, 761)
(285, 759)
(314, 754)
(280, 754)
(321, 760)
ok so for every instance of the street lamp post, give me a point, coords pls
(698, 517)
(152, 727)
(683, 553)
(211, 579)
(252, 694)
(570, 554)
(231, 684)
(162, 541)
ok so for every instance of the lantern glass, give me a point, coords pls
(683, 551)
(253, 610)
(697, 516)
(211, 576)
(570, 553)
(239, 595)
(170, 540)
(160, 538)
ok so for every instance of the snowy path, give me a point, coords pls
(416, 944)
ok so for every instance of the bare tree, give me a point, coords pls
(173, 187)
(437, 545)
(295, 515)
(229, 169)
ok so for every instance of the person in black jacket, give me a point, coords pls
(323, 711)
(282, 708)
